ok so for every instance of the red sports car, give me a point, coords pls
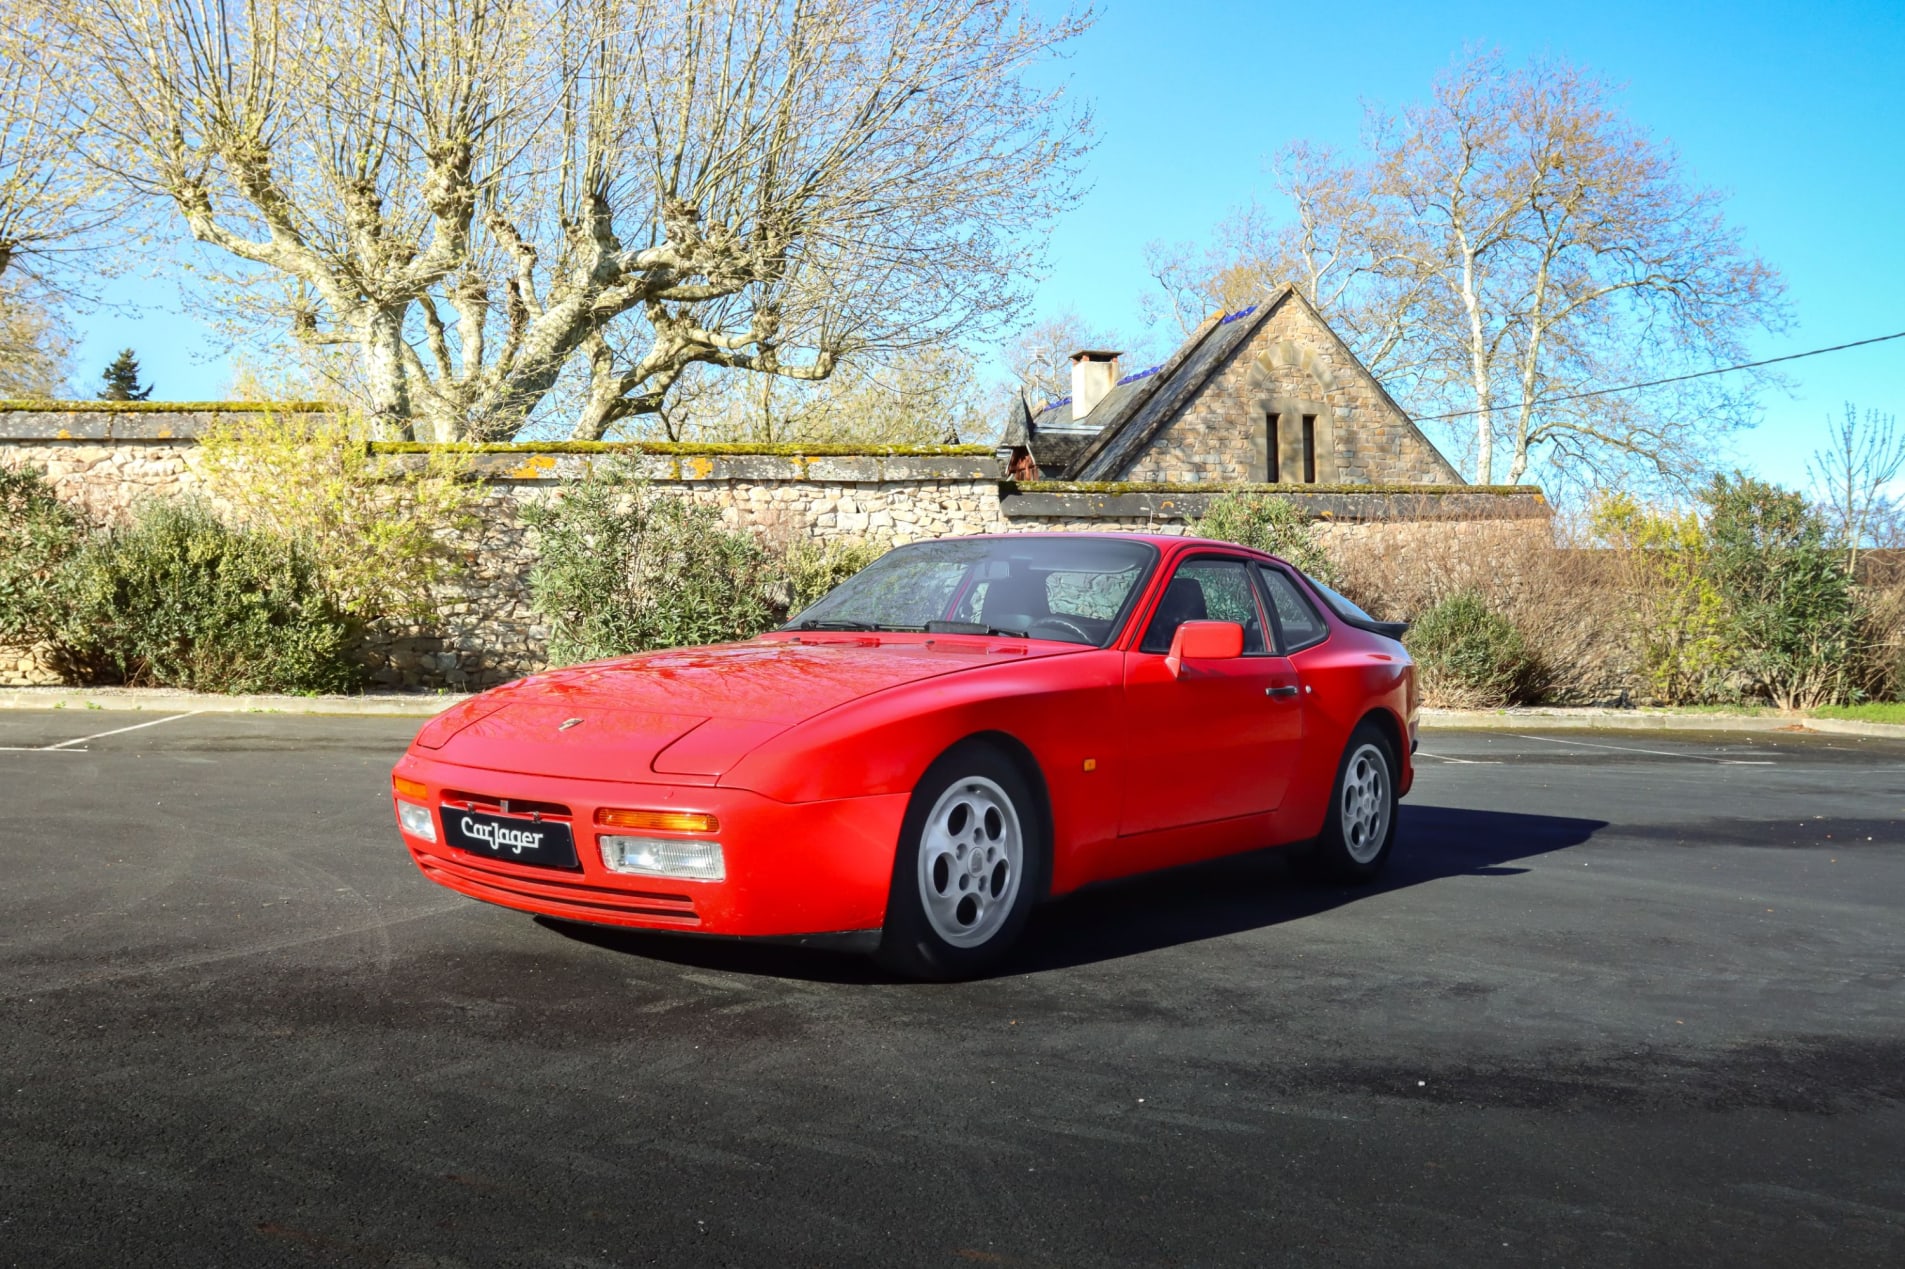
(963, 728)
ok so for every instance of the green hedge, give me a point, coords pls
(176, 599)
(1469, 656)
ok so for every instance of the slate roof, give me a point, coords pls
(1098, 446)
(1104, 444)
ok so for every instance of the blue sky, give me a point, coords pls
(1794, 109)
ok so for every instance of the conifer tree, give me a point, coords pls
(122, 379)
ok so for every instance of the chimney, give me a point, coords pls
(1094, 374)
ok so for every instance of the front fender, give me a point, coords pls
(1064, 710)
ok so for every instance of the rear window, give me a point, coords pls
(1340, 602)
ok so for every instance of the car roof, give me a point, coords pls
(1163, 541)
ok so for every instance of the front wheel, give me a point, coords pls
(966, 871)
(1360, 830)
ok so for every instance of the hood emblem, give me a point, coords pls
(566, 724)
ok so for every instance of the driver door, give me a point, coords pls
(1220, 739)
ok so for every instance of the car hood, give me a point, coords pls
(692, 711)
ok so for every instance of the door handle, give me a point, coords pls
(1287, 690)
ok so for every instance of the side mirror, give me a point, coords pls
(1204, 641)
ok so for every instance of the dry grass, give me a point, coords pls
(1572, 606)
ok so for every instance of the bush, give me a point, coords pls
(179, 600)
(623, 569)
(1791, 611)
(1469, 657)
(1268, 524)
(1679, 616)
(379, 528)
(39, 535)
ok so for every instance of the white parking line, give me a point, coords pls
(69, 746)
(1466, 762)
(1658, 753)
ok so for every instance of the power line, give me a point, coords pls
(1655, 383)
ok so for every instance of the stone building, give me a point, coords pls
(1266, 395)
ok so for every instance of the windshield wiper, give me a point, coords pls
(832, 624)
(841, 623)
(972, 628)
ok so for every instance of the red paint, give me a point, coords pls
(806, 747)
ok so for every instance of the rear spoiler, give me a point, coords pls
(1388, 629)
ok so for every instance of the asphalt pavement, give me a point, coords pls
(1620, 1000)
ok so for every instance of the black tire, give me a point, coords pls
(952, 912)
(1357, 838)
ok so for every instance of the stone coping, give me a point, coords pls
(533, 466)
(165, 407)
(421, 705)
(106, 425)
(1345, 502)
(689, 448)
(1282, 490)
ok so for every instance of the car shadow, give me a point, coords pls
(1124, 918)
(1246, 892)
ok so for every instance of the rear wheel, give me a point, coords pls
(967, 869)
(1360, 829)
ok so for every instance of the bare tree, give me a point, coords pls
(1513, 243)
(925, 398)
(34, 343)
(53, 204)
(1344, 248)
(1853, 475)
(635, 189)
(1038, 357)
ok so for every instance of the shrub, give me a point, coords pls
(623, 569)
(179, 600)
(1269, 524)
(379, 528)
(1791, 611)
(39, 535)
(1468, 656)
(1679, 616)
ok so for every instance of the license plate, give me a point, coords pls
(511, 837)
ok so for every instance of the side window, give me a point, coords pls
(1206, 590)
(1296, 616)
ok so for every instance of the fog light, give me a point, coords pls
(417, 821)
(660, 857)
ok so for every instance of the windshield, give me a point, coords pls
(1073, 589)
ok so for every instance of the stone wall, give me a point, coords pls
(485, 632)
(1292, 367)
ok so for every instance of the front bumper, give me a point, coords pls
(793, 869)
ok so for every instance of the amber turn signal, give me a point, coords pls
(410, 788)
(662, 821)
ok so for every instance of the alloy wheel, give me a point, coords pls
(971, 862)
